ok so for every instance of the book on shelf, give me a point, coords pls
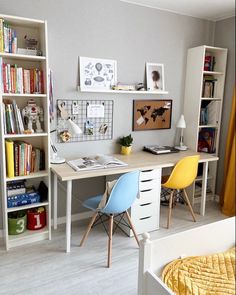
(22, 158)
(16, 187)
(8, 38)
(207, 140)
(209, 85)
(209, 63)
(15, 79)
(209, 113)
(96, 162)
(12, 118)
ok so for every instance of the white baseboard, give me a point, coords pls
(75, 217)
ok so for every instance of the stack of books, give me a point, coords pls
(8, 39)
(209, 63)
(23, 159)
(14, 79)
(12, 118)
(207, 140)
(19, 195)
(208, 90)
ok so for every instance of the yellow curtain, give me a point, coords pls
(228, 192)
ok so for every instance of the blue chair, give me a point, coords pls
(121, 198)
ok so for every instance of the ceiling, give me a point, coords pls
(207, 9)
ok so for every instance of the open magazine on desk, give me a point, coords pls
(96, 162)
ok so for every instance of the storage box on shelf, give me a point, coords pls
(18, 87)
(204, 89)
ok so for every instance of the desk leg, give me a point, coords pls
(68, 215)
(55, 201)
(204, 188)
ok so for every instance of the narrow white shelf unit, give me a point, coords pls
(34, 29)
(17, 56)
(158, 92)
(39, 174)
(25, 135)
(194, 102)
(24, 95)
(35, 205)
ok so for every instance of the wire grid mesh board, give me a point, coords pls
(94, 117)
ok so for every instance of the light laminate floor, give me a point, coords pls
(44, 267)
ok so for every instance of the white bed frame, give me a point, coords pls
(154, 255)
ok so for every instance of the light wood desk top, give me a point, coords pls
(136, 161)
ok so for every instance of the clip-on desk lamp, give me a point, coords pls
(73, 129)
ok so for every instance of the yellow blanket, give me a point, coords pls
(202, 275)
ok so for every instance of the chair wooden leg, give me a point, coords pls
(88, 229)
(110, 240)
(132, 227)
(189, 205)
(170, 208)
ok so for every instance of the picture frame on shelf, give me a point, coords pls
(97, 74)
(155, 77)
(152, 114)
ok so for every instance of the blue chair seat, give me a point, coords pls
(92, 203)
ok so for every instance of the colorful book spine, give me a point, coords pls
(1, 35)
(10, 158)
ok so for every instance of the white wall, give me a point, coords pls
(225, 37)
(128, 33)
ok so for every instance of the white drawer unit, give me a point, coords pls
(145, 211)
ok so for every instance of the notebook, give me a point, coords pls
(159, 149)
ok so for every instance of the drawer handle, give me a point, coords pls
(143, 218)
(146, 171)
(146, 190)
(146, 204)
(146, 180)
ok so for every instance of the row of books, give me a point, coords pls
(207, 140)
(8, 39)
(14, 79)
(209, 63)
(12, 118)
(208, 89)
(23, 158)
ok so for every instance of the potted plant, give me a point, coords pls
(126, 144)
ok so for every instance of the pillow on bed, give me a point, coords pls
(202, 275)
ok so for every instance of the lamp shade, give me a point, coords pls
(181, 123)
(74, 128)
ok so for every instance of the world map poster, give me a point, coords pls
(152, 114)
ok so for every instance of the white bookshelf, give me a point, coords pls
(34, 29)
(194, 101)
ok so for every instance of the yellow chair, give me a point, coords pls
(182, 176)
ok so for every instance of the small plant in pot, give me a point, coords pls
(126, 144)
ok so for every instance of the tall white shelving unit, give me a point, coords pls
(34, 29)
(194, 101)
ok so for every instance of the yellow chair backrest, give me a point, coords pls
(184, 173)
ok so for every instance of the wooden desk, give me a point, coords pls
(135, 161)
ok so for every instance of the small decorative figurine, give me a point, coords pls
(33, 114)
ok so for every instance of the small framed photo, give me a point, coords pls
(152, 114)
(155, 77)
(97, 74)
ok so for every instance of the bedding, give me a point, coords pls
(202, 275)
